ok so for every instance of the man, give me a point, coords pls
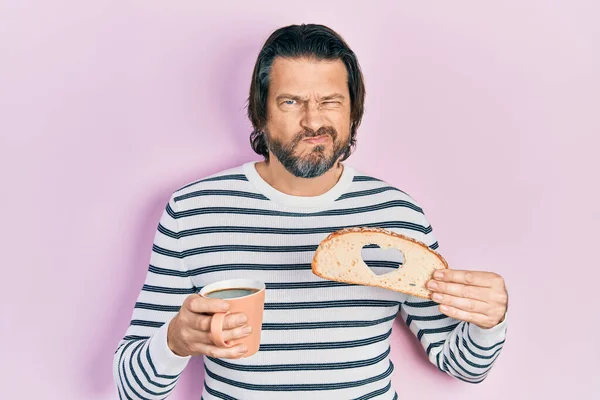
(264, 221)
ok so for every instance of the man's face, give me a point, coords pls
(308, 115)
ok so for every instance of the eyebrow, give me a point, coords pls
(336, 96)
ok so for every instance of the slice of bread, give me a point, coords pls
(338, 258)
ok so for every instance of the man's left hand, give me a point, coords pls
(473, 296)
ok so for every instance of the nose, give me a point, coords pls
(312, 117)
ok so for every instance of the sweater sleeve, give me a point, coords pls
(460, 349)
(144, 367)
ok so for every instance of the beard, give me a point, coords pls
(315, 161)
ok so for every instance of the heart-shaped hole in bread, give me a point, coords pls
(382, 261)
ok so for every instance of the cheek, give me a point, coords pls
(341, 123)
(283, 125)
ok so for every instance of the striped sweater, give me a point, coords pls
(319, 338)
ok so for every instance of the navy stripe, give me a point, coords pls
(458, 376)
(252, 267)
(445, 361)
(138, 381)
(325, 345)
(121, 370)
(168, 290)
(482, 347)
(215, 192)
(170, 211)
(369, 192)
(230, 267)
(420, 304)
(376, 392)
(274, 213)
(149, 324)
(232, 177)
(443, 329)
(168, 232)
(124, 375)
(128, 339)
(135, 337)
(288, 306)
(463, 369)
(289, 231)
(331, 304)
(156, 374)
(216, 393)
(434, 345)
(471, 363)
(382, 264)
(139, 360)
(168, 272)
(465, 345)
(233, 248)
(303, 285)
(306, 285)
(434, 246)
(301, 387)
(302, 367)
(477, 355)
(324, 325)
(124, 378)
(412, 318)
(363, 178)
(157, 307)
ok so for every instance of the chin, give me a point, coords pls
(316, 151)
(314, 158)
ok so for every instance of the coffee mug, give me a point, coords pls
(245, 296)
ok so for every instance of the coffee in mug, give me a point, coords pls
(230, 293)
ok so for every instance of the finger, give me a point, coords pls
(469, 305)
(237, 333)
(460, 290)
(473, 278)
(196, 337)
(231, 321)
(202, 305)
(462, 315)
(220, 352)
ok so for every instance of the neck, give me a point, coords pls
(275, 174)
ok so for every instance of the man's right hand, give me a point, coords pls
(189, 332)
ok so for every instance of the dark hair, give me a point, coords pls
(302, 41)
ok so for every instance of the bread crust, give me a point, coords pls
(359, 230)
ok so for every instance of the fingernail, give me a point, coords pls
(242, 349)
(438, 274)
(432, 285)
(224, 306)
(443, 308)
(247, 329)
(242, 320)
(437, 297)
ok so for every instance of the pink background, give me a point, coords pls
(487, 112)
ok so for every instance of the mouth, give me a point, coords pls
(317, 139)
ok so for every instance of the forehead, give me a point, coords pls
(305, 76)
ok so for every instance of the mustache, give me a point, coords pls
(322, 131)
